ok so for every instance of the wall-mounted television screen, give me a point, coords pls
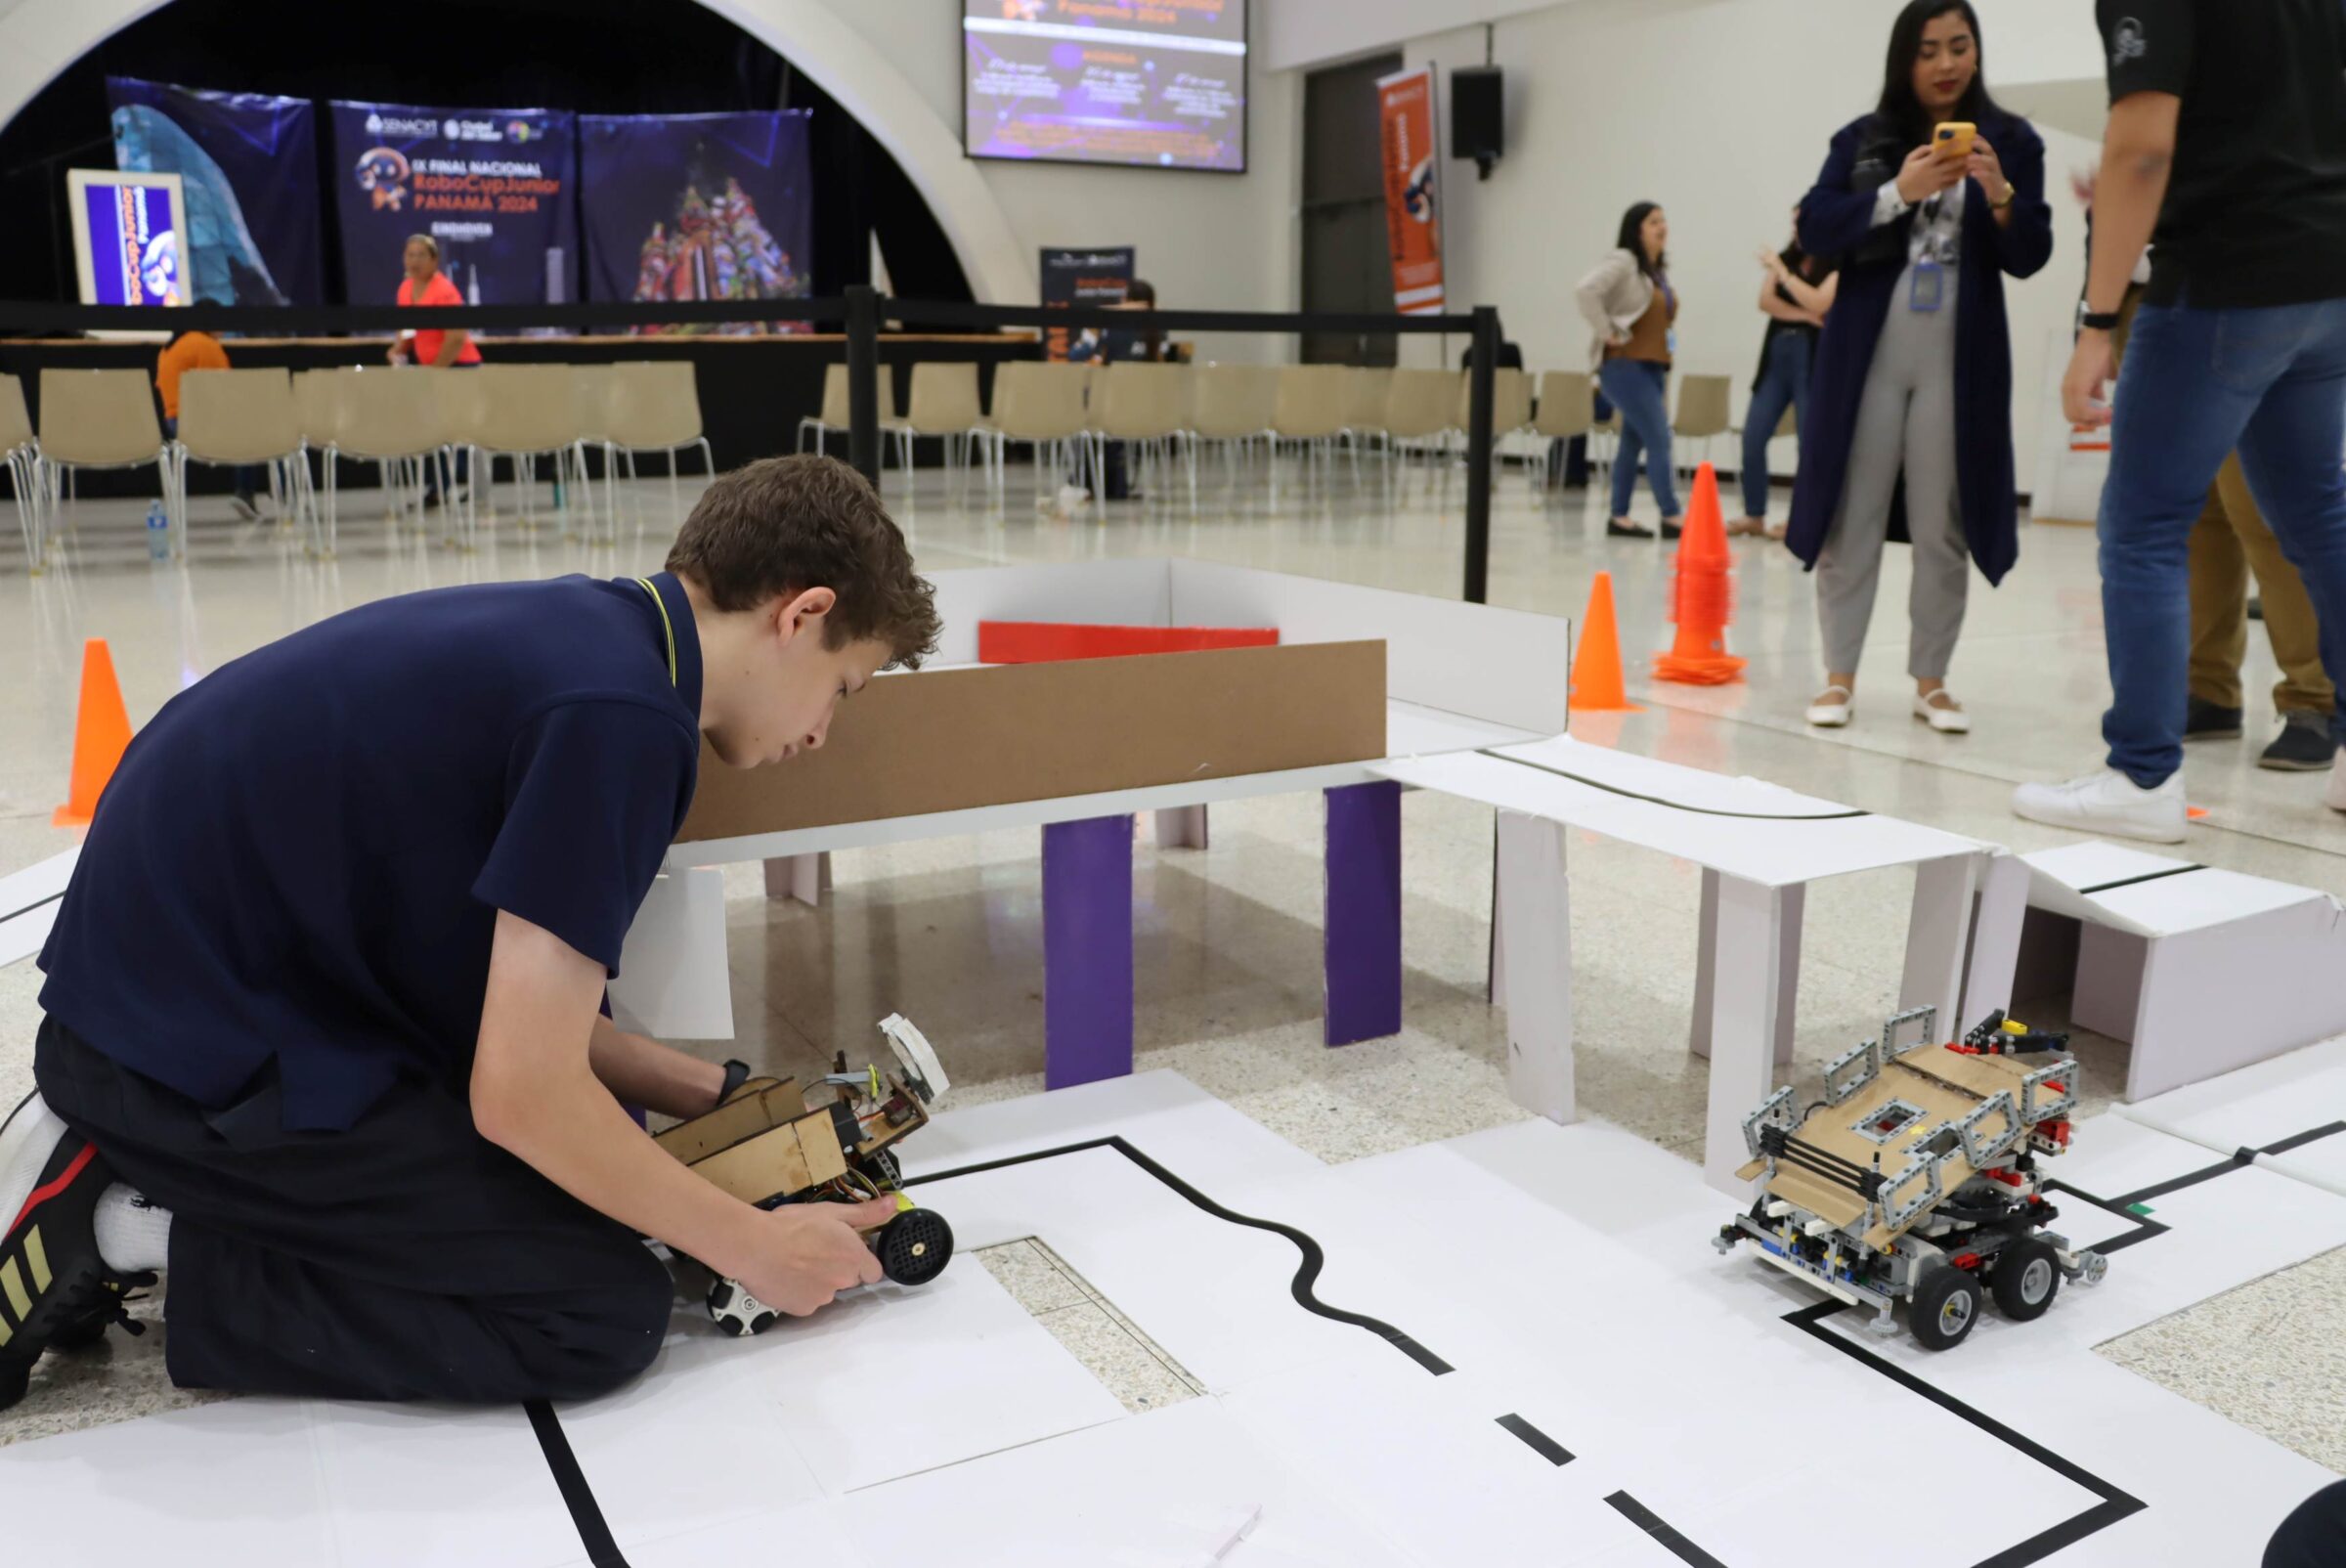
(1144, 83)
(129, 237)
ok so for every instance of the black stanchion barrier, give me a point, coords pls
(861, 310)
(863, 381)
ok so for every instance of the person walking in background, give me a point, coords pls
(1914, 367)
(1795, 294)
(201, 351)
(1629, 300)
(2228, 139)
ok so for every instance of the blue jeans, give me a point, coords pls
(2197, 384)
(1637, 388)
(1785, 384)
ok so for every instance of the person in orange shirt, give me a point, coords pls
(199, 351)
(426, 285)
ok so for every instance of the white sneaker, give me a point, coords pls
(1943, 713)
(2108, 802)
(1833, 715)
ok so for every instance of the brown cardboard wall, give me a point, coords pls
(950, 740)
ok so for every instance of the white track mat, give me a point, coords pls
(2288, 1114)
(28, 901)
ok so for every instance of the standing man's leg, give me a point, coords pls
(2290, 453)
(2304, 695)
(405, 1258)
(2219, 600)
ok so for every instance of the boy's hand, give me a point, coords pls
(808, 1252)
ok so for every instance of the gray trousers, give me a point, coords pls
(1906, 420)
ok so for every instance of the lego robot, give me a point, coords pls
(773, 1142)
(1915, 1178)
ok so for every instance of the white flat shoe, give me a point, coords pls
(1944, 716)
(1833, 715)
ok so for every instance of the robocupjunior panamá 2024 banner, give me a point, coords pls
(494, 187)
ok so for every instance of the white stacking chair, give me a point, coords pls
(530, 411)
(834, 418)
(1233, 407)
(389, 416)
(242, 419)
(1042, 405)
(1703, 418)
(1566, 409)
(655, 407)
(1139, 405)
(23, 452)
(97, 419)
(944, 404)
(1308, 408)
(1365, 393)
(1421, 409)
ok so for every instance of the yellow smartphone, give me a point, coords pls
(1954, 139)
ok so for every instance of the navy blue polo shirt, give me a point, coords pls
(302, 856)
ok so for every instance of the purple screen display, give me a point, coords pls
(1149, 83)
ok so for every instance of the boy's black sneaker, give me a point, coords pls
(2206, 720)
(55, 1289)
(2303, 746)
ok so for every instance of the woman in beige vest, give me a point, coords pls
(1632, 306)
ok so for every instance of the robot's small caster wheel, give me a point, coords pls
(915, 1246)
(1943, 1308)
(2026, 1279)
(2091, 1266)
(736, 1311)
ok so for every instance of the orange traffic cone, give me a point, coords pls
(1596, 686)
(100, 731)
(1703, 598)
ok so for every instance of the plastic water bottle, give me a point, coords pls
(158, 533)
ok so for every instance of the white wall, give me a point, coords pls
(1208, 241)
(1720, 109)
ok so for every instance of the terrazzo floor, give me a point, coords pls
(1228, 938)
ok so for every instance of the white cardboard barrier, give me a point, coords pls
(28, 905)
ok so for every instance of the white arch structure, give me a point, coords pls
(40, 38)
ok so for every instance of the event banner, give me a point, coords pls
(492, 186)
(697, 206)
(1082, 277)
(1412, 213)
(237, 154)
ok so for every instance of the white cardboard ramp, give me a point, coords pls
(2273, 1103)
(2167, 950)
(29, 902)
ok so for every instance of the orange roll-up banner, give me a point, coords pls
(1412, 213)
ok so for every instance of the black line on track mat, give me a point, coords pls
(1646, 1519)
(1675, 805)
(2239, 1158)
(586, 1514)
(1538, 1442)
(30, 908)
(2129, 882)
(1314, 1259)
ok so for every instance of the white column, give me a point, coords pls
(1532, 908)
(803, 877)
(1998, 913)
(1747, 994)
(1937, 934)
(1795, 900)
(1181, 827)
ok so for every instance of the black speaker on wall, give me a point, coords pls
(1477, 121)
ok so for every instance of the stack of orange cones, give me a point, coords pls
(101, 734)
(1596, 685)
(1703, 599)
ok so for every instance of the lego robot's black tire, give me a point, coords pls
(915, 1246)
(15, 1378)
(2026, 1279)
(1943, 1308)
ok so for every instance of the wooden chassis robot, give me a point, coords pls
(773, 1142)
(1915, 1178)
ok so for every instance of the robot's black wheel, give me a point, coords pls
(15, 1377)
(915, 1246)
(737, 1312)
(2026, 1278)
(1943, 1309)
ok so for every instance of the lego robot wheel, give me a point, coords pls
(736, 1311)
(2025, 1279)
(14, 1380)
(915, 1246)
(1943, 1308)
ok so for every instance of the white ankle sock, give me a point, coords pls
(134, 1235)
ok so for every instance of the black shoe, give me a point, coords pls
(55, 1289)
(2206, 720)
(1614, 528)
(2256, 607)
(1671, 530)
(2303, 746)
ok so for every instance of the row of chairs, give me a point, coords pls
(417, 426)
(1068, 412)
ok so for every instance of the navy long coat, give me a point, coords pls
(1837, 220)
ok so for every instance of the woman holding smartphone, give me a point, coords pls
(1931, 202)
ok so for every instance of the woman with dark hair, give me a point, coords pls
(1630, 305)
(1796, 296)
(1913, 378)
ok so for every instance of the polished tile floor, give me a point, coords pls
(947, 932)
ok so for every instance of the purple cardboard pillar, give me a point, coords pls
(1087, 950)
(1364, 912)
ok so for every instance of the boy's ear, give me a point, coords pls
(798, 612)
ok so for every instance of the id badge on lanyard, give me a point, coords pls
(1929, 289)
